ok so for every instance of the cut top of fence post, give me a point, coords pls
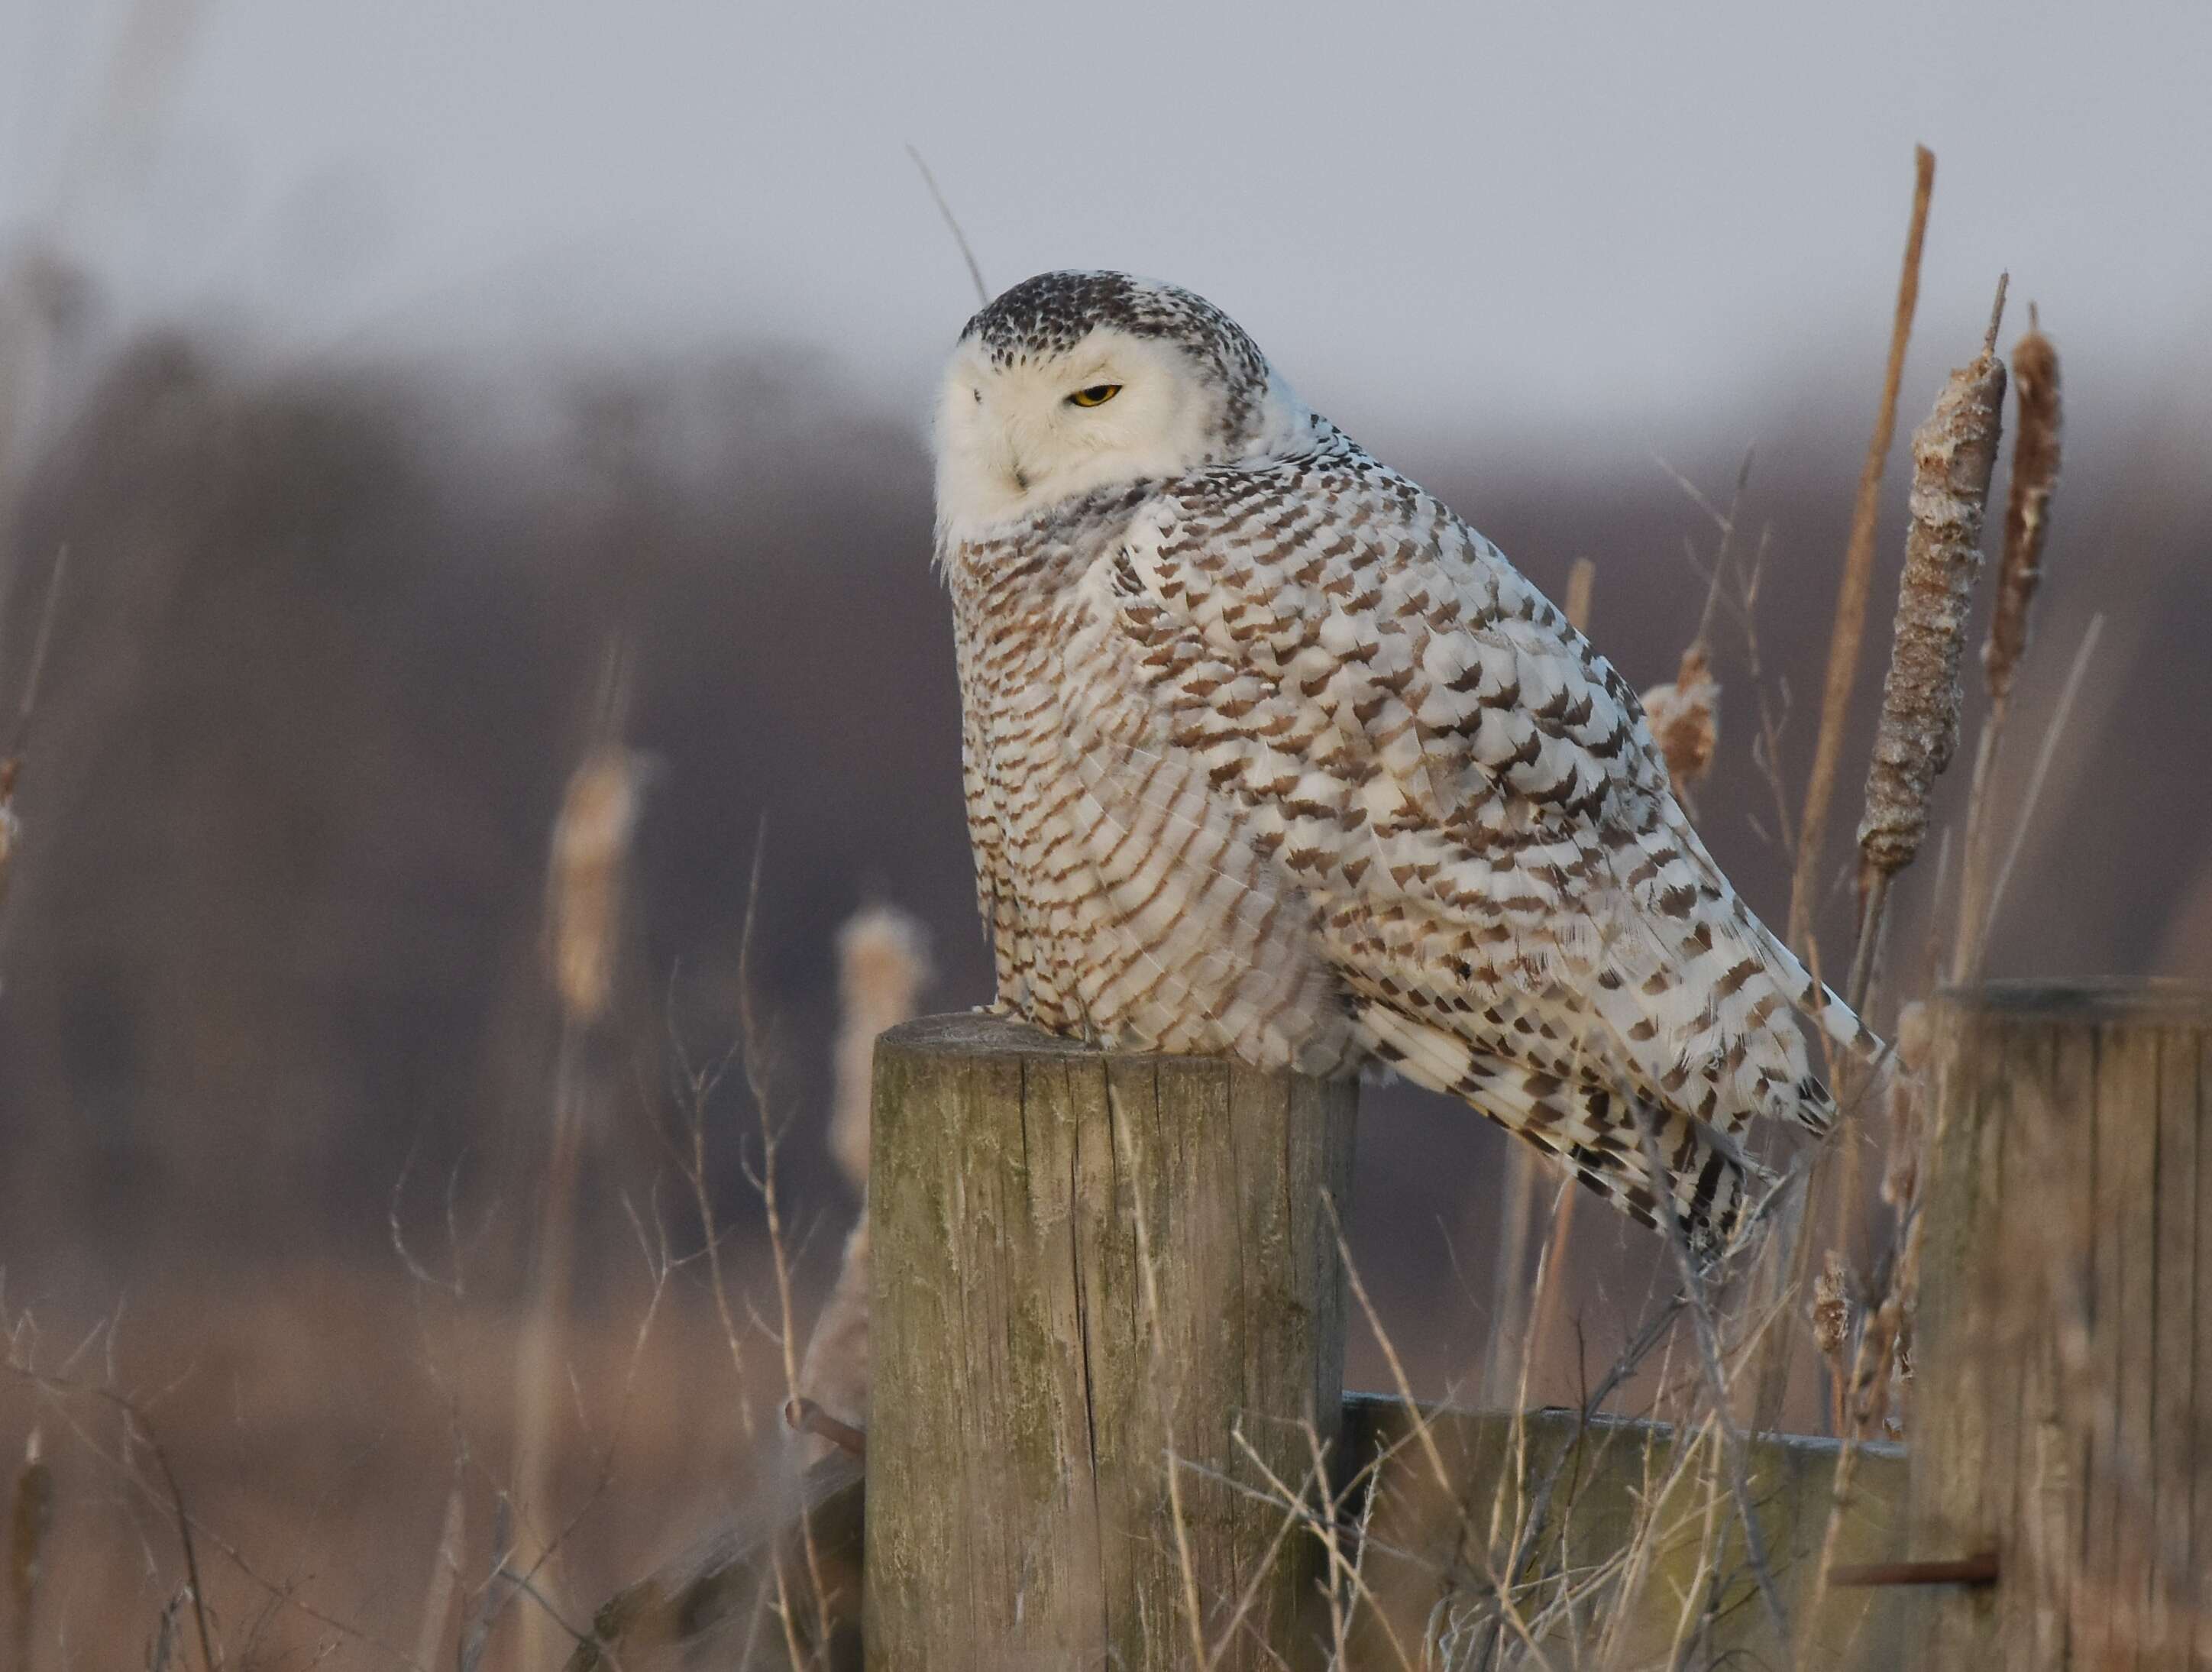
(1085, 1264)
(2087, 1003)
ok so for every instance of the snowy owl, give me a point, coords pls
(1266, 752)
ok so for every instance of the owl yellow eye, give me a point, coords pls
(1096, 395)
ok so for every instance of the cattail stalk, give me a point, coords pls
(1851, 596)
(2035, 453)
(444, 1578)
(1582, 583)
(883, 964)
(591, 850)
(1953, 455)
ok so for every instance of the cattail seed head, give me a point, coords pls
(1831, 1308)
(1685, 717)
(883, 964)
(2027, 509)
(1954, 453)
(591, 853)
(1582, 583)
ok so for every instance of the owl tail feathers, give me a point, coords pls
(1584, 1127)
(1820, 1004)
(1825, 1009)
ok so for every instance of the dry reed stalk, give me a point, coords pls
(590, 859)
(1851, 596)
(11, 764)
(1295, 1515)
(445, 1580)
(1536, 1512)
(1684, 713)
(752, 1051)
(31, 1521)
(2061, 716)
(1340, 1617)
(883, 964)
(134, 1427)
(161, 1652)
(2035, 458)
(1707, 1332)
(1955, 454)
(1582, 583)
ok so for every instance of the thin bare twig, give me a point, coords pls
(27, 705)
(753, 1040)
(2060, 716)
(952, 225)
(1398, 1376)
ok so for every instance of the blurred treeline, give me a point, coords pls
(330, 637)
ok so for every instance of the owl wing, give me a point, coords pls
(1468, 795)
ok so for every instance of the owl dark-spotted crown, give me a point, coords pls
(1055, 310)
(1052, 313)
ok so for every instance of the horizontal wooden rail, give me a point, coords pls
(722, 1593)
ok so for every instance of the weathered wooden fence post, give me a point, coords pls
(2064, 1344)
(1029, 1382)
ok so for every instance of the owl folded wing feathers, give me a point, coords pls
(1516, 907)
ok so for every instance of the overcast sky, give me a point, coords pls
(1514, 216)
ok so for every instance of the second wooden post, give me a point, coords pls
(1089, 1268)
(2063, 1426)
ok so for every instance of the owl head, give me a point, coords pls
(1074, 382)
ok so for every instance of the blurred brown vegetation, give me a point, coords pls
(327, 648)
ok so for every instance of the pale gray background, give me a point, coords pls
(1529, 220)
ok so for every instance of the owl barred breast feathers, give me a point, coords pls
(1266, 752)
